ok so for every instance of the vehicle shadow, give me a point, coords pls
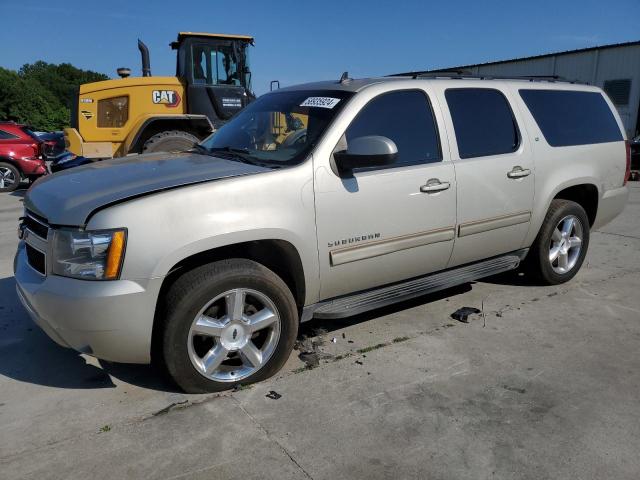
(516, 278)
(28, 355)
(21, 191)
(310, 328)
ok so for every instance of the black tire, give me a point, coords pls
(11, 169)
(538, 263)
(170, 141)
(193, 290)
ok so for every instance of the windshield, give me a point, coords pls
(279, 128)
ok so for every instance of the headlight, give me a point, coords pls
(113, 112)
(88, 255)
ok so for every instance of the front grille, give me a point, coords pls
(36, 259)
(36, 233)
(36, 225)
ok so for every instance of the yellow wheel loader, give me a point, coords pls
(130, 115)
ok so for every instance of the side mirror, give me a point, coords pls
(368, 151)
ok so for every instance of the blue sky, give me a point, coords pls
(298, 41)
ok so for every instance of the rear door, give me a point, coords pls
(494, 172)
(382, 225)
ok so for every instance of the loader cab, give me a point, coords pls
(216, 71)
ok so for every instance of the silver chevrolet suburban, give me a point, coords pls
(321, 200)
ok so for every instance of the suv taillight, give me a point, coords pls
(36, 150)
(627, 172)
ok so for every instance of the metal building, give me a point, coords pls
(614, 68)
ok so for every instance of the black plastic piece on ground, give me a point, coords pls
(462, 314)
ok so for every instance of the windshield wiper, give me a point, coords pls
(228, 149)
(241, 153)
(200, 148)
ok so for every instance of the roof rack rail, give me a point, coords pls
(461, 74)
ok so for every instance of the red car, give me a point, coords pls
(20, 156)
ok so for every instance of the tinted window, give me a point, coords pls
(572, 118)
(406, 118)
(6, 135)
(483, 122)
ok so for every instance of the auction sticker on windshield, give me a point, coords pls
(322, 102)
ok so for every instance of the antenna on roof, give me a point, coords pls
(344, 79)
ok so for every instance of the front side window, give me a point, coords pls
(404, 117)
(215, 65)
(568, 117)
(483, 122)
(279, 128)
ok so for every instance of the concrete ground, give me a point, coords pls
(546, 385)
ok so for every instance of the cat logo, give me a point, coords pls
(168, 98)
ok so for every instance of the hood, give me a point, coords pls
(70, 197)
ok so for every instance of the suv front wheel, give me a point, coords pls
(227, 323)
(561, 245)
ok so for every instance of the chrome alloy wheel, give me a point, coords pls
(566, 244)
(7, 177)
(234, 335)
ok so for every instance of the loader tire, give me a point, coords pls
(170, 141)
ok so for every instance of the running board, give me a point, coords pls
(371, 299)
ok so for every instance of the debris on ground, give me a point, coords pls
(309, 349)
(358, 362)
(343, 335)
(239, 387)
(273, 395)
(333, 340)
(515, 389)
(463, 314)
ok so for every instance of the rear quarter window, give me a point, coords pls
(569, 118)
(6, 135)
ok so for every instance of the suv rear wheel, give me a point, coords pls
(9, 177)
(230, 322)
(559, 250)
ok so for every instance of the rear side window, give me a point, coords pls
(483, 122)
(406, 118)
(572, 118)
(6, 135)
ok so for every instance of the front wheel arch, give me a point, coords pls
(279, 256)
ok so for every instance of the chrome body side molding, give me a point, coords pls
(479, 226)
(391, 245)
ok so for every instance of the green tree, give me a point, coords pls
(41, 94)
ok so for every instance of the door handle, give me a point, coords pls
(519, 172)
(434, 185)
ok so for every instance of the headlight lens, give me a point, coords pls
(88, 255)
(113, 112)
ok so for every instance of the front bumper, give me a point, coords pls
(76, 145)
(111, 320)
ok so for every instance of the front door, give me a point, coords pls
(383, 225)
(494, 171)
